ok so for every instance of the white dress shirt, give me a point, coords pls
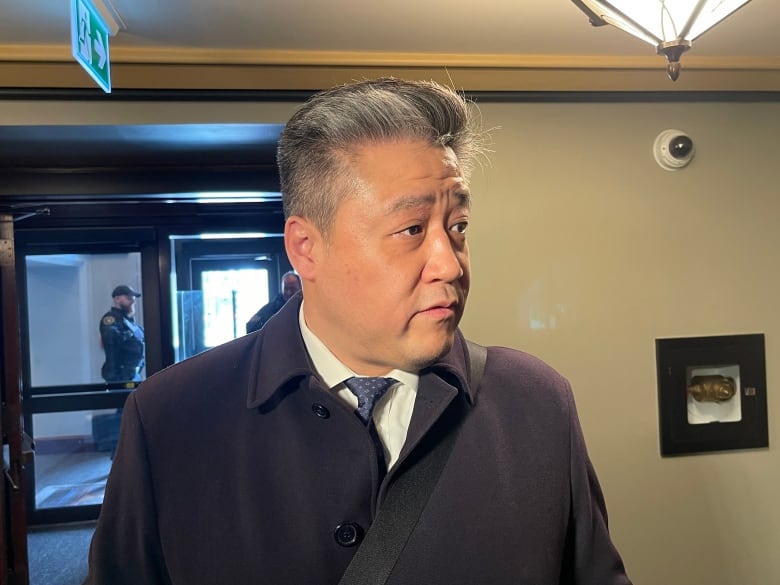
(392, 412)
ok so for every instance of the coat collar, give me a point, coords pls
(279, 357)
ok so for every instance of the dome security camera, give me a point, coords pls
(673, 149)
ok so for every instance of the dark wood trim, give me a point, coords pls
(515, 73)
(13, 515)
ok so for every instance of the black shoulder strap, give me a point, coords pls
(404, 503)
(477, 359)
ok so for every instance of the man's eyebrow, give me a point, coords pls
(464, 199)
(412, 202)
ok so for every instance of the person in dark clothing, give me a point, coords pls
(122, 338)
(267, 459)
(291, 284)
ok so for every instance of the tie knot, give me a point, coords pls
(368, 391)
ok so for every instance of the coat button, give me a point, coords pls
(320, 410)
(348, 534)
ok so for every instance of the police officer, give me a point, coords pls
(122, 338)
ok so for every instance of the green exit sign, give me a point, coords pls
(89, 41)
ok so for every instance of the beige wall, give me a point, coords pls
(578, 229)
(584, 252)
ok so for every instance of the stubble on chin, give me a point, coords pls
(432, 355)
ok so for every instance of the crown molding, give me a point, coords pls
(190, 56)
(183, 68)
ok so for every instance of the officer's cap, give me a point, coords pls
(123, 289)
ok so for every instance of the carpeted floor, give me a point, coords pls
(58, 553)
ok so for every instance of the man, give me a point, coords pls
(291, 284)
(248, 464)
(122, 339)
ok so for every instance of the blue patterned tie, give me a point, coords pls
(368, 392)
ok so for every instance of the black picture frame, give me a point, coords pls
(696, 415)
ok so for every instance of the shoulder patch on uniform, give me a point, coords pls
(109, 320)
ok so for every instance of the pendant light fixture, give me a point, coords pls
(669, 25)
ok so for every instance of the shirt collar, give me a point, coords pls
(277, 355)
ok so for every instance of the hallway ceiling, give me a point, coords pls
(251, 31)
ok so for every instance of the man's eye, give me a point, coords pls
(460, 227)
(413, 230)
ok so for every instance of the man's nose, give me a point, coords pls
(444, 261)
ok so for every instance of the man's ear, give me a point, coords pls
(303, 243)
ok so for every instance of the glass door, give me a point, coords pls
(76, 287)
(84, 319)
(219, 282)
(231, 291)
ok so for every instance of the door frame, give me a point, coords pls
(13, 514)
(88, 396)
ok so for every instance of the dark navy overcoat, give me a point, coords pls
(238, 466)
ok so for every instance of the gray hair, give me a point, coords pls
(315, 146)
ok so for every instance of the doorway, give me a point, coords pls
(71, 410)
(199, 285)
(86, 204)
(218, 282)
(215, 283)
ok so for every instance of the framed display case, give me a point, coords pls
(711, 393)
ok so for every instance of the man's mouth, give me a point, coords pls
(443, 310)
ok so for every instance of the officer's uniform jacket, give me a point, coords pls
(266, 312)
(123, 343)
(238, 466)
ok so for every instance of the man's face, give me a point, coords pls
(391, 281)
(290, 286)
(125, 302)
